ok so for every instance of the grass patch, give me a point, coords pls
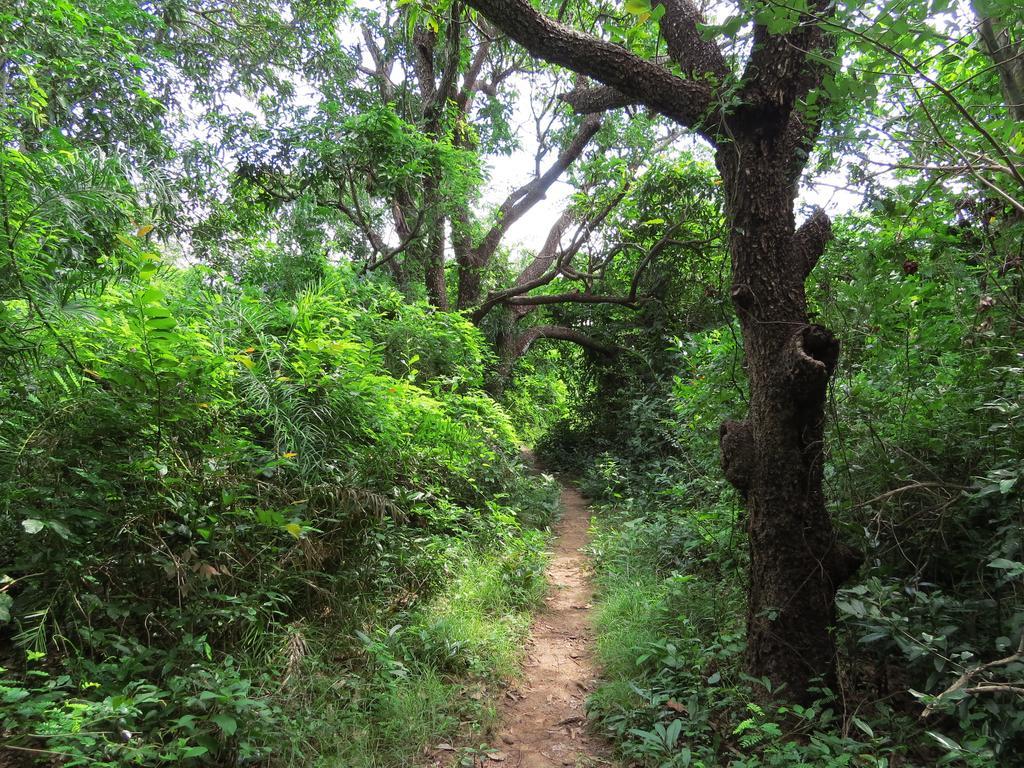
(626, 621)
(670, 611)
(422, 679)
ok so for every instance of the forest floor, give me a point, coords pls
(543, 722)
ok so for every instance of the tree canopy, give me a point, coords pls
(285, 288)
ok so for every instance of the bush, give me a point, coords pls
(220, 467)
(922, 472)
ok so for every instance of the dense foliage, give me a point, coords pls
(923, 469)
(271, 344)
(221, 480)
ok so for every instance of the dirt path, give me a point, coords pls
(542, 718)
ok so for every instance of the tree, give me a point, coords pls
(1000, 39)
(762, 124)
(390, 173)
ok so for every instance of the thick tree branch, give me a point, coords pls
(423, 43)
(548, 253)
(589, 100)
(382, 66)
(449, 73)
(684, 100)
(572, 297)
(551, 261)
(471, 79)
(526, 339)
(524, 198)
(785, 67)
(536, 273)
(1008, 59)
(810, 239)
(696, 56)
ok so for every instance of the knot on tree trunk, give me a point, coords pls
(736, 444)
(742, 298)
(810, 358)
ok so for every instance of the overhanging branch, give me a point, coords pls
(529, 336)
(524, 198)
(696, 56)
(687, 101)
(572, 297)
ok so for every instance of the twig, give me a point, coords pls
(970, 674)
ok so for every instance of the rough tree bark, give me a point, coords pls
(998, 42)
(773, 456)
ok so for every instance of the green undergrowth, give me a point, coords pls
(423, 679)
(669, 624)
(252, 523)
(923, 475)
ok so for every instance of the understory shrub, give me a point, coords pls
(922, 469)
(226, 491)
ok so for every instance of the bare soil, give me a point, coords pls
(543, 723)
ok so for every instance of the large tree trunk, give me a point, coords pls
(437, 291)
(470, 268)
(775, 456)
(505, 351)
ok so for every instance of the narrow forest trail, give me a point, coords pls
(543, 722)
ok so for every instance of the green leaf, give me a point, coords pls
(672, 732)
(1007, 565)
(946, 742)
(32, 526)
(638, 7)
(13, 695)
(226, 723)
(732, 26)
(864, 727)
(161, 323)
(60, 529)
(152, 296)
